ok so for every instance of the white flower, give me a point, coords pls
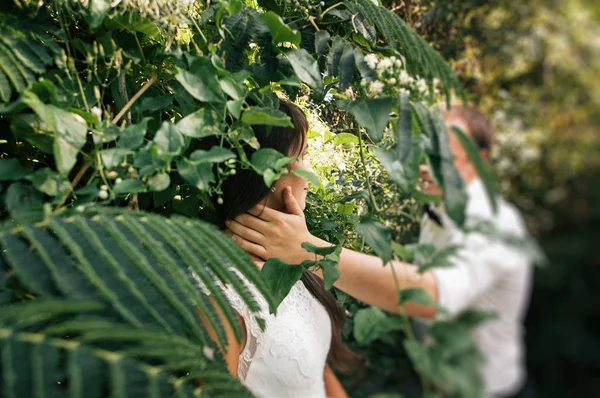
(96, 112)
(118, 180)
(421, 85)
(398, 63)
(103, 187)
(376, 87)
(102, 195)
(384, 65)
(404, 77)
(371, 60)
(363, 83)
(392, 81)
(405, 91)
(341, 166)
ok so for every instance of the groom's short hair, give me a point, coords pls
(479, 125)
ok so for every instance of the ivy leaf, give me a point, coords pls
(482, 170)
(306, 68)
(70, 129)
(266, 116)
(215, 154)
(329, 262)
(113, 157)
(394, 167)
(377, 236)
(202, 84)
(265, 158)
(49, 182)
(129, 185)
(199, 175)
(279, 30)
(280, 276)
(372, 114)
(159, 182)
(233, 88)
(11, 169)
(331, 272)
(168, 140)
(133, 135)
(321, 251)
(308, 175)
(372, 323)
(415, 296)
(202, 123)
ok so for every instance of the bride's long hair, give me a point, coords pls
(246, 188)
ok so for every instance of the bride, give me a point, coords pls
(293, 355)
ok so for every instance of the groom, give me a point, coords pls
(487, 275)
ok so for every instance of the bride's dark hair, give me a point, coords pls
(246, 188)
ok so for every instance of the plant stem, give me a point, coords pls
(368, 178)
(78, 176)
(330, 8)
(134, 98)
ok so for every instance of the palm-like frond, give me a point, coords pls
(119, 288)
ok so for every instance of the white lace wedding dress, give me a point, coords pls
(288, 358)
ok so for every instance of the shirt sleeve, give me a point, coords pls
(479, 263)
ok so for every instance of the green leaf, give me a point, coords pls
(308, 175)
(202, 123)
(280, 276)
(322, 41)
(159, 182)
(11, 169)
(306, 68)
(321, 251)
(377, 236)
(265, 158)
(403, 129)
(279, 30)
(70, 129)
(23, 203)
(371, 323)
(331, 272)
(372, 114)
(133, 135)
(346, 66)
(129, 185)
(395, 168)
(415, 296)
(199, 175)
(266, 116)
(483, 171)
(168, 139)
(213, 155)
(113, 157)
(419, 356)
(49, 182)
(345, 138)
(202, 84)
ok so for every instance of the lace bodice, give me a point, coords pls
(288, 358)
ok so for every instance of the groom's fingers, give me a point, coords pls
(250, 247)
(246, 232)
(291, 204)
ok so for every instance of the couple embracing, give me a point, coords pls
(293, 355)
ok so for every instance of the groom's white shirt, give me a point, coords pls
(490, 275)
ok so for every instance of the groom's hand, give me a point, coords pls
(267, 233)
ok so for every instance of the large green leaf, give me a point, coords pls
(372, 114)
(49, 182)
(11, 169)
(266, 116)
(70, 131)
(279, 30)
(168, 139)
(202, 123)
(201, 82)
(372, 323)
(377, 236)
(280, 276)
(306, 68)
(133, 135)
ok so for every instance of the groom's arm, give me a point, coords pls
(268, 233)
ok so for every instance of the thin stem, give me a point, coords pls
(139, 46)
(134, 98)
(311, 19)
(330, 8)
(78, 177)
(368, 178)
